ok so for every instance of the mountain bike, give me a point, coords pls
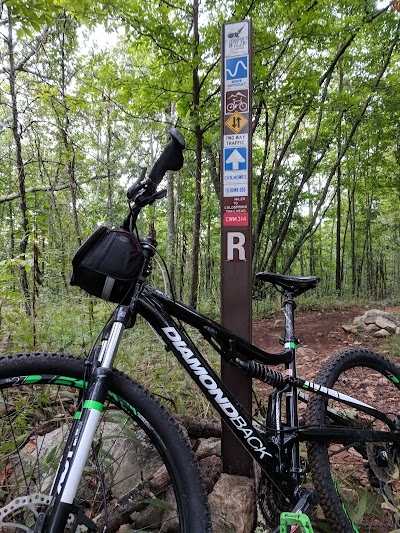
(86, 448)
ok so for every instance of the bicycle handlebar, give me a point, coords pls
(144, 191)
(171, 159)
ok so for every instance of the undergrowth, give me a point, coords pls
(71, 323)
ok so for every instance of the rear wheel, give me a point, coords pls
(358, 483)
(141, 470)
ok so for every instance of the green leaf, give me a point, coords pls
(162, 504)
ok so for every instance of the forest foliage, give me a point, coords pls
(89, 89)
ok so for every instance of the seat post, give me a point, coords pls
(290, 340)
(292, 416)
(289, 307)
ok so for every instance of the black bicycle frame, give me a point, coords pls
(152, 309)
(274, 447)
(160, 310)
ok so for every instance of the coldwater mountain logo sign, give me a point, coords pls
(237, 39)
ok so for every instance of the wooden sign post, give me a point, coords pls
(236, 217)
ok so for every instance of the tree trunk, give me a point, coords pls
(172, 206)
(338, 200)
(214, 171)
(171, 228)
(352, 223)
(20, 167)
(183, 264)
(108, 163)
(194, 282)
(68, 145)
(311, 248)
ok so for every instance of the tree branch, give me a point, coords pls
(306, 233)
(43, 188)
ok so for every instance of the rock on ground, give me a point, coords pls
(378, 323)
(233, 505)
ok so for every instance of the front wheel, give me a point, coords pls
(141, 470)
(358, 483)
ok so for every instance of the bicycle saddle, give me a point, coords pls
(295, 284)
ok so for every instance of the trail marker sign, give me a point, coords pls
(236, 103)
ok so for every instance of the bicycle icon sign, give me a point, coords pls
(237, 101)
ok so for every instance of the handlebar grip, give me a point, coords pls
(170, 159)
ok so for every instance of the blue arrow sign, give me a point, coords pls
(235, 158)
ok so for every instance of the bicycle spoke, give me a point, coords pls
(129, 466)
(359, 479)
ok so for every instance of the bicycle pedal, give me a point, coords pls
(298, 521)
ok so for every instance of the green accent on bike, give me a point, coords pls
(33, 379)
(295, 519)
(347, 514)
(293, 345)
(395, 380)
(345, 510)
(62, 380)
(122, 403)
(78, 415)
(91, 404)
(80, 384)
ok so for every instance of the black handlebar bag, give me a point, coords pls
(108, 264)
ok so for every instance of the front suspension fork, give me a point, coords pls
(84, 427)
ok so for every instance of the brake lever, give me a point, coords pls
(147, 199)
(141, 182)
(157, 196)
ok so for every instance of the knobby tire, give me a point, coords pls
(358, 484)
(142, 470)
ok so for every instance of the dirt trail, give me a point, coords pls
(321, 336)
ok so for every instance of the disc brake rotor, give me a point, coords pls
(31, 502)
(382, 461)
